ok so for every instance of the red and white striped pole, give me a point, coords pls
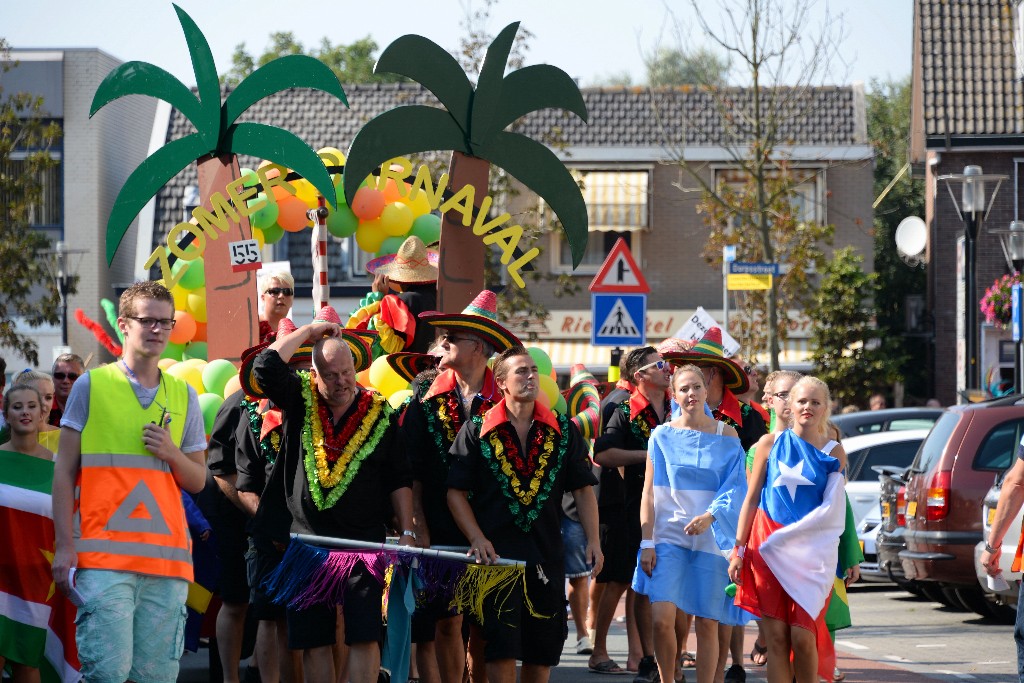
(321, 289)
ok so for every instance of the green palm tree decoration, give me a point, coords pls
(473, 123)
(217, 133)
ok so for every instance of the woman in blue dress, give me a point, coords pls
(693, 491)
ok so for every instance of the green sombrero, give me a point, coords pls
(709, 352)
(480, 317)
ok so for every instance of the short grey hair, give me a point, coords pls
(318, 350)
(68, 358)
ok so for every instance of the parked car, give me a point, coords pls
(867, 451)
(953, 470)
(1007, 599)
(890, 419)
(878, 527)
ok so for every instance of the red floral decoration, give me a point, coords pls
(996, 305)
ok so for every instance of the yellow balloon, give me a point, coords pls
(550, 389)
(396, 219)
(384, 378)
(165, 363)
(180, 295)
(257, 235)
(233, 385)
(332, 156)
(370, 235)
(190, 374)
(396, 399)
(420, 205)
(305, 191)
(197, 304)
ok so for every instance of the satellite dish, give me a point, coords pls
(911, 236)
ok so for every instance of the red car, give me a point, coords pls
(947, 482)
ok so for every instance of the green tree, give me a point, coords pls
(848, 353)
(351, 63)
(218, 134)
(888, 119)
(25, 141)
(672, 66)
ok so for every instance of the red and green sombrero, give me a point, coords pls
(358, 341)
(408, 364)
(583, 402)
(709, 352)
(480, 317)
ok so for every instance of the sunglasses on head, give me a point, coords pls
(65, 375)
(659, 364)
(275, 291)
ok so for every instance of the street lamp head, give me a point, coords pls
(1012, 241)
(973, 194)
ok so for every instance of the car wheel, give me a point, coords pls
(1002, 614)
(932, 591)
(909, 585)
(955, 603)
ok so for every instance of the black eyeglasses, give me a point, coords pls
(452, 339)
(69, 375)
(781, 395)
(164, 323)
(659, 364)
(275, 291)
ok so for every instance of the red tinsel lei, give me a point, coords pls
(335, 443)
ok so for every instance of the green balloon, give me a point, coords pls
(540, 357)
(340, 190)
(209, 404)
(390, 245)
(273, 234)
(265, 217)
(342, 223)
(194, 350)
(216, 374)
(194, 277)
(561, 406)
(250, 179)
(174, 351)
(427, 227)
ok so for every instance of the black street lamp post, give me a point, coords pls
(62, 271)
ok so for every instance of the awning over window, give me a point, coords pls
(616, 200)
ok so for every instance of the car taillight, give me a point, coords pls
(901, 506)
(938, 497)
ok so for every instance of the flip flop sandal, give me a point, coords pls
(687, 660)
(607, 667)
(759, 652)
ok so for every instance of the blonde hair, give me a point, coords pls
(815, 383)
(284, 277)
(689, 367)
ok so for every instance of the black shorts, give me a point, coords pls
(426, 616)
(511, 632)
(316, 626)
(620, 546)
(260, 562)
(232, 545)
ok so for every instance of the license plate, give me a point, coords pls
(912, 508)
(991, 515)
(886, 510)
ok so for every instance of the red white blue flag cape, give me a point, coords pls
(804, 501)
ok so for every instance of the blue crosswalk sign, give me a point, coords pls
(618, 319)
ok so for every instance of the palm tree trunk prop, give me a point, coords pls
(461, 266)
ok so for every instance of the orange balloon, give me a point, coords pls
(184, 328)
(272, 173)
(391, 193)
(363, 378)
(292, 214)
(200, 334)
(367, 204)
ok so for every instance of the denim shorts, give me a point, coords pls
(575, 542)
(131, 626)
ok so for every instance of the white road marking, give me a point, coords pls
(851, 645)
(932, 645)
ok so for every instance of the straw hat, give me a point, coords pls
(480, 317)
(709, 352)
(412, 264)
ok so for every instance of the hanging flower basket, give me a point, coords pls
(996, 304)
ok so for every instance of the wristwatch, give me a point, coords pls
(989, 549)
(408, 532)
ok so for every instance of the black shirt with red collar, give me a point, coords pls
(516, 493)
(747, 422)
(428, 429)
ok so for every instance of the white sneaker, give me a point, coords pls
(584, 646)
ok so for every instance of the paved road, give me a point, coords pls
(896, 638)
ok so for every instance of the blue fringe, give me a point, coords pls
(292, 575)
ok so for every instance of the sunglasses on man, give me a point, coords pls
(65, 375)
(659, 364)
(277, 291)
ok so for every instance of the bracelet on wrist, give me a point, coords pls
(989, 549)
(646, 544)
(739, 551)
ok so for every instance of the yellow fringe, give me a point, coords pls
(389, 574)
(481, 581)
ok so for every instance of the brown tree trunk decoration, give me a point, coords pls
(231, 307)
(461, 267)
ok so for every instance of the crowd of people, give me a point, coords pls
(693, 503)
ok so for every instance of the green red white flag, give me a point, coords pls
(36, 620)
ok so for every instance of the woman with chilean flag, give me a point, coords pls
(787, 544)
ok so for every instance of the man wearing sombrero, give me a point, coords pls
(339, 465)
(465, 389)
(724, 379)
(408, 280)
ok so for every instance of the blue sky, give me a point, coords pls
(588, 39)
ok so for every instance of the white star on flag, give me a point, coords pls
(791, 478)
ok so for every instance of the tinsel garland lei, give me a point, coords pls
(444, 420)
(336, 480)
(525, 505)
(269, 446)
(640, 425)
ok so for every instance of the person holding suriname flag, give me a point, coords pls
(37, 631)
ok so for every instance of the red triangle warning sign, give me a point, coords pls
(619, 273)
